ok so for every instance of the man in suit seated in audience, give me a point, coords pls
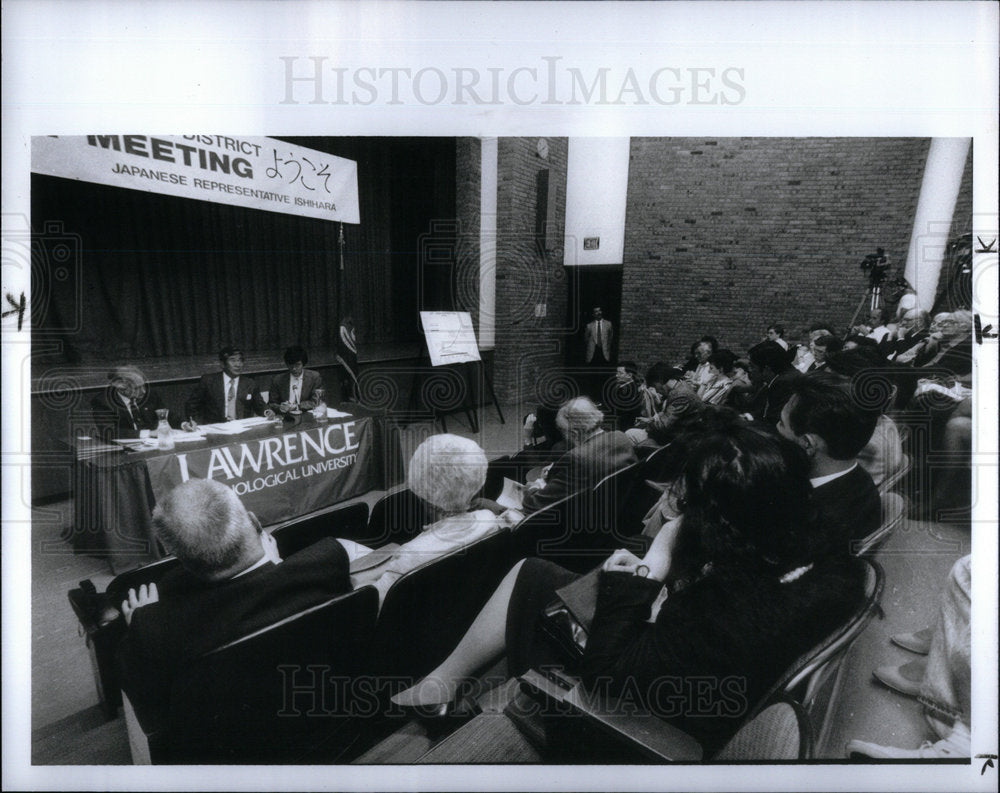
(593, 454)
(821, 347)
(226, 395)
(295, 389)
(230, 583)
(913, 329)
(126, 406)
(825, 421)
(775, 375)
(864, 371)
(681, 404)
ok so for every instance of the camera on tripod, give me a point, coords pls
(876, 265)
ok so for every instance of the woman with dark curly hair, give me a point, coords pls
(728, 596)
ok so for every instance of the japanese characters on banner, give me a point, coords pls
(260, 173)
(281, 476)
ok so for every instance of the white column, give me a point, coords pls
(487, 243)
(932, 220)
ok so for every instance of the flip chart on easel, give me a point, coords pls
(450, 337)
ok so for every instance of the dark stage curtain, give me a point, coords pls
(151, 276)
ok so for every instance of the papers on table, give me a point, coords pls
(234, 427)
(512, 495)
(332, 413)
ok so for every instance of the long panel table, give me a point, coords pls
(278, 472)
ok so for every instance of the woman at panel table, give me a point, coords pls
(746, 592)
(446, 471)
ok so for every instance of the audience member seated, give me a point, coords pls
(629, 398)
(593, 454)
(446, 471)
(294, 390)
(541, 431)
(822, 417)
(126, 406)
(952, 348)
(871, 381)
(803, 353)
(942, 682)
(856, 340)
(743, 390)
(912, 330)
(775, 376)
(879, 325)
(230, 583)
(715, 390)
(820, 347)
(226, 395)
(696, 367)
(681, 405)
(749, 592)
(776, 333)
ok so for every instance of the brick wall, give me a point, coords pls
(527, 346)
(726, 235)
(467, 212)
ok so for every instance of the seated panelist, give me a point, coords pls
(126, 406)
(224, 396)
(295, 389)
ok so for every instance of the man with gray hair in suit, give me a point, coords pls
(593, 454)
(230, 583)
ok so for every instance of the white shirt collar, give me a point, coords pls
(259, 563)
(822, 480)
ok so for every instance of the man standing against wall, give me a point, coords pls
(598, 336)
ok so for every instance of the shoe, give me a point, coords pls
(956, 745)
(905, 679)
(917, 642)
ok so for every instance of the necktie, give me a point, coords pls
(133, 410)
(231, 401)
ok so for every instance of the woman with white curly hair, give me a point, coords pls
(446, 471)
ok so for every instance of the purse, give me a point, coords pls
(566, 620)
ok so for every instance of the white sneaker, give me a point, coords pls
(956, 745)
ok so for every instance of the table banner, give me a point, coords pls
(260, 173)
(280, 476)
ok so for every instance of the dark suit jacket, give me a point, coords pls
(207, 403)
(193, 617)
(680, 406)
(281, 392)
(582, 467)
(848, 508)
(113, 419)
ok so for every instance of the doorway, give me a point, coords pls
(589, 286)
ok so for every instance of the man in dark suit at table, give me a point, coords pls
(225, 395)
(231, 582)
(296, 388)
(126, 406)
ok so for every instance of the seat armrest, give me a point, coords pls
(633, 726)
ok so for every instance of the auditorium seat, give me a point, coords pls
(397, 517)
(427, 611)
(284, 694)
(581, 530)
(344, 522)
(893, 512)
(102, 625)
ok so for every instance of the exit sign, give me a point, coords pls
(591, 243)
